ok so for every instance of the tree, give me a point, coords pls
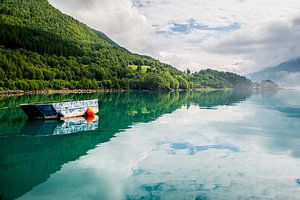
(188, 71)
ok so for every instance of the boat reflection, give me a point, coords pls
(55, 127)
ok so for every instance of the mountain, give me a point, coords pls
(287, 74)
(42, 48)
(36, 25)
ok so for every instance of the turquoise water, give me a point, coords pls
(218, 145)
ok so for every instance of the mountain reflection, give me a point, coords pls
(28, 161)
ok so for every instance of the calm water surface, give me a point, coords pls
(219, 145)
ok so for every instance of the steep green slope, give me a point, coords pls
(42, 48)
(36, 25)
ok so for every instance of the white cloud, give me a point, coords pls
(145, 26)
(119, 19)
(266, 44)
(288, 79)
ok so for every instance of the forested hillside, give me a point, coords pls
(42, 48)
(219, 79)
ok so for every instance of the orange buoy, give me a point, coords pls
(90, 112)
(90, 119)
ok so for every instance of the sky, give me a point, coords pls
(241, 36)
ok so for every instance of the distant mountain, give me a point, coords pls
(286, 74)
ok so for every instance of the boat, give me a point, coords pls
(61, 110)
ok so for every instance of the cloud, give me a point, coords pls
(234, 35)
(267, 44)
(119, 19)
(290, 80)
(285, 79)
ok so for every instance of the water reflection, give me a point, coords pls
(28, 161)
(285, 101)
(209, 146)
(153, 160)
(275, 118)
(55, 127)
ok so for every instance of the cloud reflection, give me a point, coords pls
(233, 156)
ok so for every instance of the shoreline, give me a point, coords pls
(94, 91)
(64, 91)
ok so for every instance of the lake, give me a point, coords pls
(143, 145)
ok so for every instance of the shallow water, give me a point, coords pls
(219, 145)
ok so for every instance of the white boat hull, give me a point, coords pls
(60, 110)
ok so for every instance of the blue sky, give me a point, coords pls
(232, 35)
(192, 24)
